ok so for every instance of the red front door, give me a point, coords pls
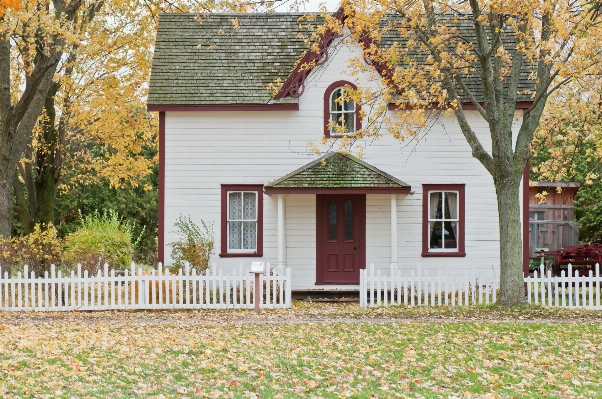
(341, 236)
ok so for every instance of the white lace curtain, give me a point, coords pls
(452, 203)
(242, 220)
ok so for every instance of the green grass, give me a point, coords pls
(179, 354)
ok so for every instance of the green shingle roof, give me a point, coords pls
(209, 62)
(335, 170)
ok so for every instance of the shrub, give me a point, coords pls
(195, 247)
(101, 239)
(39, 249)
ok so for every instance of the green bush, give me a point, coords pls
(195, 247)
(101, 239)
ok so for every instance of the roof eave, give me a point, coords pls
(337, 190)
(223, 107)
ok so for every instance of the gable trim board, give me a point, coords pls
(295, 82)
(203, 148)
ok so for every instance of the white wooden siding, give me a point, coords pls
(206, 149)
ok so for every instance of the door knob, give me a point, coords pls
(354, 247)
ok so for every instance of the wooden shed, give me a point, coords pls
(552, 223)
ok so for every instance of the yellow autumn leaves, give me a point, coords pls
(219, 354)
(4, 4)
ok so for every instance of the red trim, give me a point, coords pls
(443, 254)
(462, 217)
(327, 93)
(294, 85)
(465, 106)
(243, 255)
(384, 69)
(367, 190)
(224, 220)
(526, 249)
(224, 107)
(161, 199)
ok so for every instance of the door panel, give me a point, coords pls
(333, 262)
(341, 234)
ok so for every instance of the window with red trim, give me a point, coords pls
(443, 220)
(241, 220)
(341, 114)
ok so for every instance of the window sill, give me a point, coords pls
(340, 136)
(241, 255)
(443, 254)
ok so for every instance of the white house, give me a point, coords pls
(235, 155)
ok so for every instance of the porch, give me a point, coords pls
(337, 187)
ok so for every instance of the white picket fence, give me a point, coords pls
(140, 289)
(567, 290)
(418, 288)
(471, 288)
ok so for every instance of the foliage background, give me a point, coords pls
(567, 146)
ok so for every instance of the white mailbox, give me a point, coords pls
(258, 267)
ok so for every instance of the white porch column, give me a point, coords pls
(281, 230)
(393, 230)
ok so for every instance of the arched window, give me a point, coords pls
(341, 114)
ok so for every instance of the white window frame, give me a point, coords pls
(256, 220)
(457, 220)
(334, 129)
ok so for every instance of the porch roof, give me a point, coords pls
(337, 173)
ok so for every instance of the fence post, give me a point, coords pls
(570, 281)
(362, 282)
(288, 288)
(598, 283)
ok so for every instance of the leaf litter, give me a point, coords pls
(311, 350)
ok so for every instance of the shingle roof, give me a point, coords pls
(335, 170)
(465, 27)
(194, 63)
(236, 70)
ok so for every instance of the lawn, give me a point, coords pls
(289, 353)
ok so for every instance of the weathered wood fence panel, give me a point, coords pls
(143, 289)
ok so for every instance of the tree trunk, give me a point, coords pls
(22, 206)
(46, 174)
(6, 202)
(512, 291)
(15, 136)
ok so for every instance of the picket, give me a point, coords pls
(418, 288)
(137, 289)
